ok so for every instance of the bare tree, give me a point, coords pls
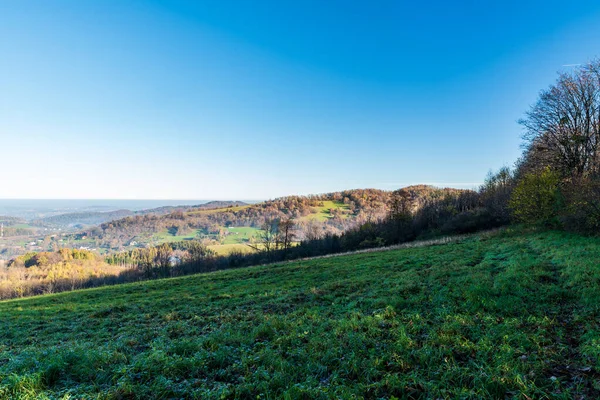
(163, 257)
(563, 128)
(313, 230)
(267, 238)
(495, 193)
(286, 233)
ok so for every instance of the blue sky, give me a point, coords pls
(259, 99)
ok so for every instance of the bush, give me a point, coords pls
(471, 221)
(582, 206)
(495, 194)
(536, 198)
(371, 243)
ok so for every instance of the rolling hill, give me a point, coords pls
(10, 221)
(70, 220)
(330, 213)
(91, 218)
(512, 315)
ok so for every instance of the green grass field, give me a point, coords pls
(166, 237)
(236, 240)
(22, 226)
(240, 235)
(236, 236)
(511, 316)
(226, 249)
(324, 212)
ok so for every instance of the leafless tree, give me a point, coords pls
(495, 193)
(313, 230)
(286, 233)
(563, 127)
(267, 238)
(163, 258)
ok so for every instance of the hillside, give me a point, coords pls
(512, 315)
(205, 206)
(14, 227)
(69, 220)
(87, 218)
(225, 227)
(10, 221)
(218, 224)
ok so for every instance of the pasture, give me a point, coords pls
(514, 315)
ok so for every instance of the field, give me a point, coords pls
(166, 237)
(240, 235)
(226, 249)
(22, 226)
(236, 240)
(324, 212)
(514, 315)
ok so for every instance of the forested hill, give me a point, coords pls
(206, 206)
(313, 215)
(9, 221)
(80, 218)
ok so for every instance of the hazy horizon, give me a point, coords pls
(385, 187)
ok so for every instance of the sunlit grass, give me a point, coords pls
(323, 213)
(512, 315)
(225, 249)
(240, 235)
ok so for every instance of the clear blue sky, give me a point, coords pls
(258, 99)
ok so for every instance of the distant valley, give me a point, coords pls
(223, 226)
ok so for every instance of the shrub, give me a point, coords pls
(582, 206)
(470, 221)
(536, 197)
(495, 194)
(370, 243)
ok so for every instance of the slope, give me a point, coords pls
(512, 315)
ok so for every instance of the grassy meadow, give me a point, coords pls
(226, 249)
(514, 315)
(166, 237)
(236, 239)
(323, 212)
(240, 235)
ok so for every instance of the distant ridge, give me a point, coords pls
(204, 206)
(80, 218)
(87, 218)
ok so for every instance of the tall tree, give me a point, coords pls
(286, 233)
(164, 252)
(267, 238)
(562, 129)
